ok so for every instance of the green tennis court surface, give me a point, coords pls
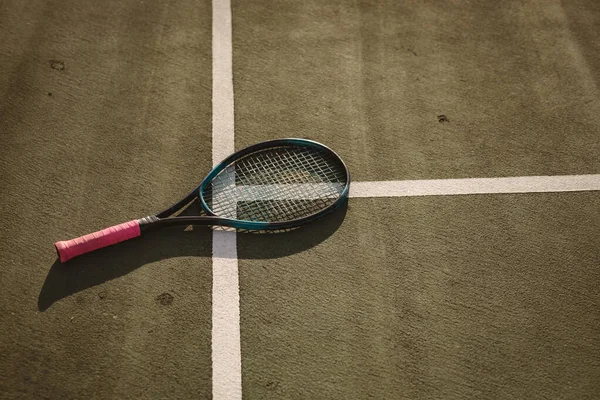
(110, 111)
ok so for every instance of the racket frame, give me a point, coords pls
(163, 218)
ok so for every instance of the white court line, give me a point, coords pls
(226, 350)
(444, 187)
(427, 187)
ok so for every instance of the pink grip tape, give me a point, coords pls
(68, 249)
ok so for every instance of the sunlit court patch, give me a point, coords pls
(424, 297)
(421, 90)
(450, 283)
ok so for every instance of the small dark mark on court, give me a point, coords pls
(165, 299)
(414, 53)
(102, 295)
(57, 65)
(49, 93)
(443, 118)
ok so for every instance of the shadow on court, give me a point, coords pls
(109, 263)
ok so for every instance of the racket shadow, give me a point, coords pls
(93, 269)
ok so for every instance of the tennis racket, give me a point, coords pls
(274, 185)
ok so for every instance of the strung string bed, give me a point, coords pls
(277, 184)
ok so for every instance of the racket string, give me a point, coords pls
(277, 184)
(291, 158)
(299, 162)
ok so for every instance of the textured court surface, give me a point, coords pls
(106, 115)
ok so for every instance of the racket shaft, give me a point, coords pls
(68, 249)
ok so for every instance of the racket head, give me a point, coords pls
(277, 184)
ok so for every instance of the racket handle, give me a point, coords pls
(68, 249)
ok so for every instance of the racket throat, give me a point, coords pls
(152, 222)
